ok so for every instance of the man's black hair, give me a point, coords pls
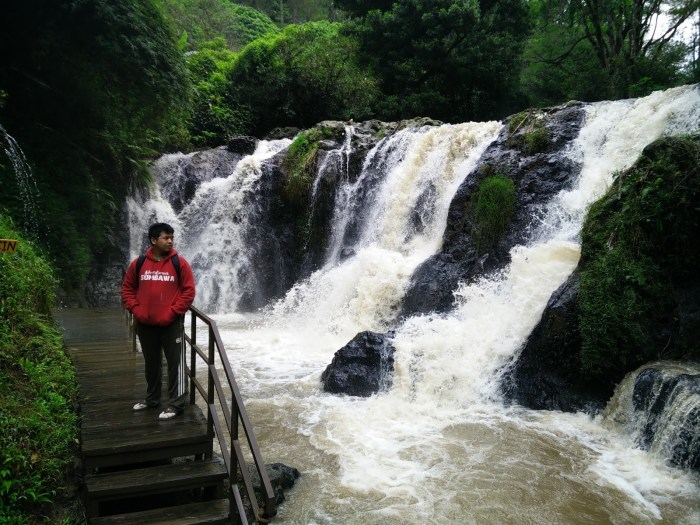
(156, 229)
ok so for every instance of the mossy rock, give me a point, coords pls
(639, 263)
(527, 132)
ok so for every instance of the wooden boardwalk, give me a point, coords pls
(137, 468)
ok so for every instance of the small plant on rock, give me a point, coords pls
(493, 208)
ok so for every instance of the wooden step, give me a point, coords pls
(202, 513)
(154, 480)
(127, 438)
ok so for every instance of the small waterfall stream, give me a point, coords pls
(439, 446)
(28, 190)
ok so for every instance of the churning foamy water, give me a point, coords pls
(439, 446)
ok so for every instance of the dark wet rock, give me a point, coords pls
(282, 133)
(242, 144)
(282, 478)
(546, 373)
(362, 367)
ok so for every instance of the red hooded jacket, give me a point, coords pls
(155, 297)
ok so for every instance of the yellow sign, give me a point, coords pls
(8, 245)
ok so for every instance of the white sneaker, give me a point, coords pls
(168, 413)
(140, 406)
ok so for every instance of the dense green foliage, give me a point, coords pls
(306, 74)
(639, 254)
(38, 427)
(201, 21)
(213, 119)
(493, 208)
(605, 50)
(94, 88)
(447, 59)
(294, 11)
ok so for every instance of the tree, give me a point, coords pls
(307, 73)
(202, 21)
(294, 11)
(453, 60)
(94, 87)
(213, 120)
(622, 35)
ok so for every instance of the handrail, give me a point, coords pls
(233, 416)
(214, 396)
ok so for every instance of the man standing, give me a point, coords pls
(158, 289)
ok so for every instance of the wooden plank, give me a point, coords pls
(119, 414)
(158, 479)
(202, 513)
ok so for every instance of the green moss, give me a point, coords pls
(493, 207)
(299, 167)
(639, 246)
(37, 389)
(527, 133)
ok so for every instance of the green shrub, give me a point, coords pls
(305, 74)
(38, 426)
(493, 208)
(299, 166)
(639, 247)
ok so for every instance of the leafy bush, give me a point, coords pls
(201, 21)
(38, 427)
(213, 119)
(306, 74)
(639, 258)
(493, 208)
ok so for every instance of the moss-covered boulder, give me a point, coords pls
(639, 293)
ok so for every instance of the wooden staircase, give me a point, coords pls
(137, 469)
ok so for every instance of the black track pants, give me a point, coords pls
(156, 341)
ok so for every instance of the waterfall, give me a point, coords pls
(658, 407)
(215, 229)
(439, 446)
(493, 317)
(396, 210)
(28, 190)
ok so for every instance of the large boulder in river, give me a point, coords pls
(362, 367)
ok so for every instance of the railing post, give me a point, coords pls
(193, 354)
(210, 383)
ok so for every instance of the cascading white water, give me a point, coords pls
(211, 228)
(658, 407)
(422, 170)
(439, 446)
(28, 190)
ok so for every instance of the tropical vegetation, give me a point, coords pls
(37, 392)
